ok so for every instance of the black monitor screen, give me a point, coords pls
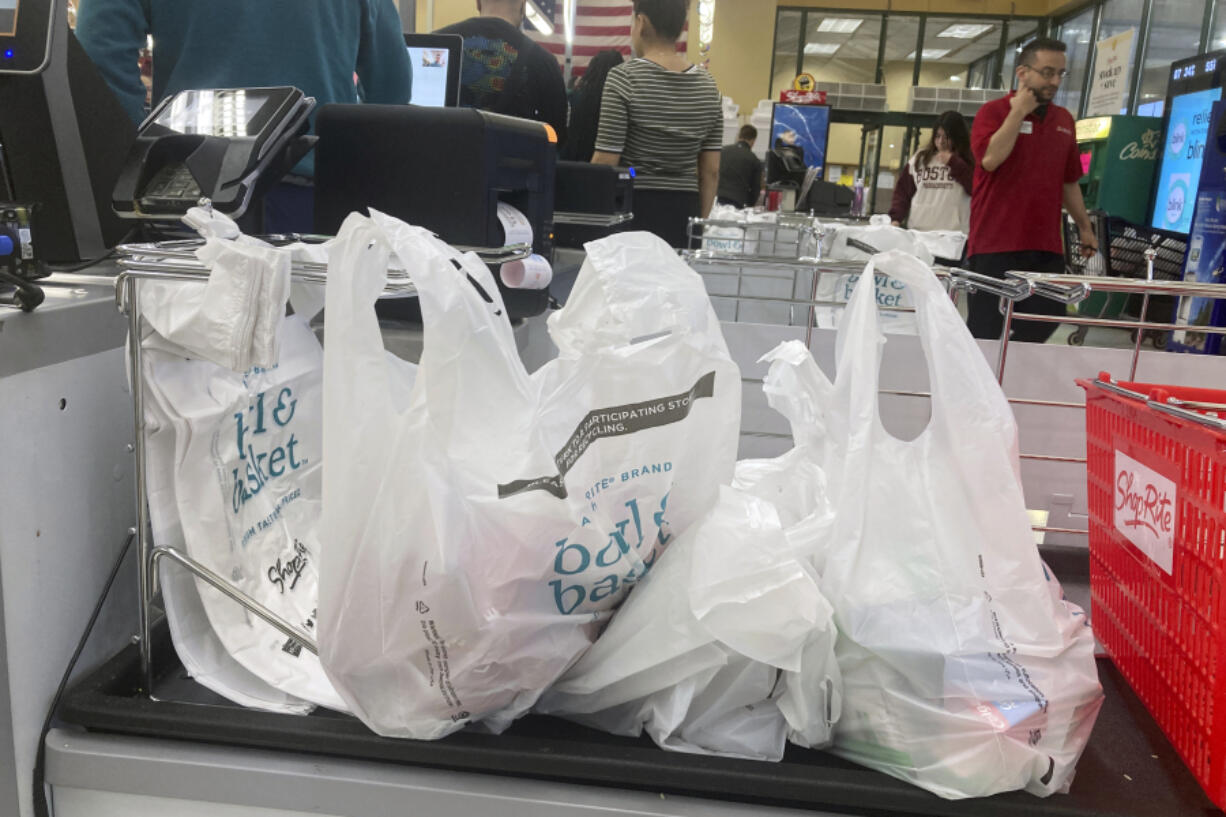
(8, 18)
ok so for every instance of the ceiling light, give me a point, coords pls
(836, 25)
(965, 31)
(539, 21)
(822, 49)
(706, 24)
(955, 78)
(931, 53)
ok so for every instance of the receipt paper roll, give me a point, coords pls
(533, 272)
(515, 226)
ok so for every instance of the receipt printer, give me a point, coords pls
(591, 201)
(220, 144)
(445, 169)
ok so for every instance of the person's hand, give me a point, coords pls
(1089, 241)
(895, 224)
(1024, 101)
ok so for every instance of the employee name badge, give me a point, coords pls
(1027, 126)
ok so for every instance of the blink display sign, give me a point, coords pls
(1206, 259)
(1194, 86)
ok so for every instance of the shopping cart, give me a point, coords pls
(1122, 254)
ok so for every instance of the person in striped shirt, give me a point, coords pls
(661, 115)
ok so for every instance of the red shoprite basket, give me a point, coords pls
(1156, 466)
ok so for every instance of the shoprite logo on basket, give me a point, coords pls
(1145, 509)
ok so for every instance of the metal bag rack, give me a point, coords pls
(795, 259)
(175, 261)
(1016, 286)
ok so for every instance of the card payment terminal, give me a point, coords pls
(214, 144)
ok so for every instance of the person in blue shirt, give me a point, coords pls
(317, 47)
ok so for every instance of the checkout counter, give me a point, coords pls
(67, 481)
(66, 510)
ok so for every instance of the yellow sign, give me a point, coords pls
(804, 82)
(1090, 130)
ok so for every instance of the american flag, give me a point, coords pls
(599, 25)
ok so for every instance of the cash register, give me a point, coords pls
(445, 169)
(591, 201)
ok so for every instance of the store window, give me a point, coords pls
(1174, 33)
(893, 142)
(1075, 32)
(901, 41)
(1217, 39)
(787, 46)
(843, 153)
(1020, 33)
(952, 45)
(1119, 16)
(981, 72)
(842, 47)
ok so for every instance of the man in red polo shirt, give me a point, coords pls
(1026, 166)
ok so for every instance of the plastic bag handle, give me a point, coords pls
(958, 372)
(462, 309)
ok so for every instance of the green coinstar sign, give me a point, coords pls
(1118, 158)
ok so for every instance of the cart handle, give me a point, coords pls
(1160, 400)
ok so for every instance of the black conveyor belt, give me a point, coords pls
(1128, 770)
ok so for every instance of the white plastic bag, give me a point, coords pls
(840, 241)
(945, 244)
(727, 648)
(729, 237)
(707, 654)
(891, 293)
(965, 672)
(481, 523)
(234, 471)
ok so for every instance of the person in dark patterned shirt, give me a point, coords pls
(506, 72)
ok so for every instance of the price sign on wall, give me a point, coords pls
(1109, 85)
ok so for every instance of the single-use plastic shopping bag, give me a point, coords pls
(480, 523)
(964, 669)
(946, 245)
(727, 237)
(662, 665)
(856, 242)
(727, 648)
(233, 460)
(892, 295)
